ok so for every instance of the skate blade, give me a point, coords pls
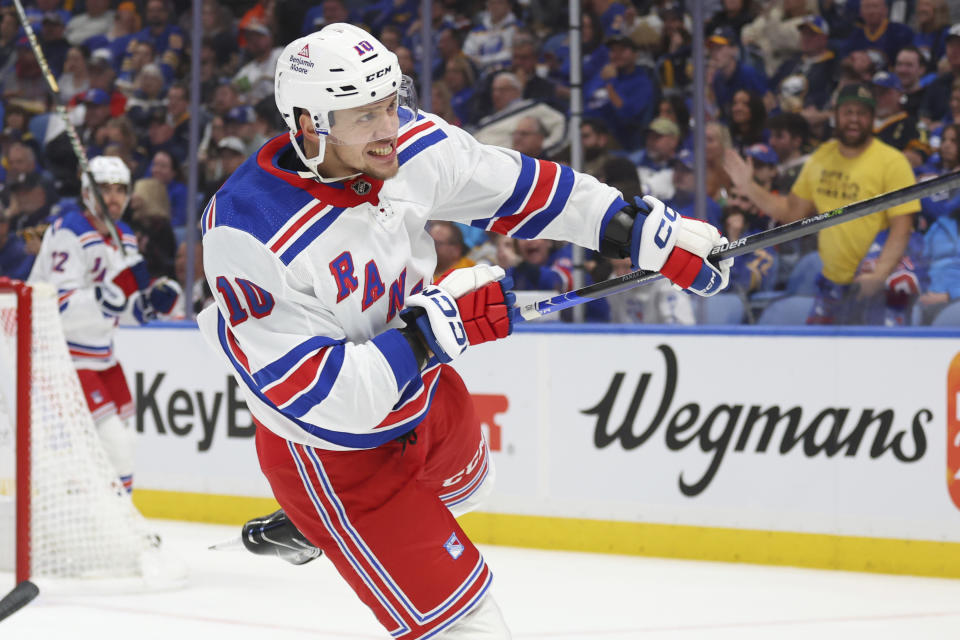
(228, 545)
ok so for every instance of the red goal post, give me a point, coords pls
(64, 513)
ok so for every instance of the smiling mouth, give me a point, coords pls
(383, 149)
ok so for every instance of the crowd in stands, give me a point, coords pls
(778, 75)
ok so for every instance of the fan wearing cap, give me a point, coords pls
(254, 80)
(52, 41)
(727, 73)
(100, 287)
(655, 161)
(852, 167)
(623, 94)
(877, 32)
(892, 123)
(816, 63)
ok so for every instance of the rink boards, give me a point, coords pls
(824, 448)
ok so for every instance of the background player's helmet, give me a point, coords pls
(340, 67)
(105, 170)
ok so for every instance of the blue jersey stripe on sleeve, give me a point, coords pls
(318, 393)
(396, 350)
(282, 365)
(533, 226)
(528, 169)
(352, 440)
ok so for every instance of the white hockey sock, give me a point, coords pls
(117, 440)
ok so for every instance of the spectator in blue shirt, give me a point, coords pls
(624, 94)
(878, 32)
(327, 12)
(941, 252)
(460, 79)
(167, 39)
(684, 186)
(947, 160)
(15, 260)
(933, 24)
(166, 169)
(729, 73)
(936, 101)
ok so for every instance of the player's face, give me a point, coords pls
(364, 139)
(115, 197)
(854, 124)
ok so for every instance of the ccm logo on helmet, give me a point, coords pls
(378, 74)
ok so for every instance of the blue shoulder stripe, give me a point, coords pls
(254, 201)
(312, 233)
(76, 222)
(419, 145)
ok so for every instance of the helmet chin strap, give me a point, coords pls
(313, 163)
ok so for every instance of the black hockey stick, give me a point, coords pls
(21, 595)
(78, 151)
(762, 240)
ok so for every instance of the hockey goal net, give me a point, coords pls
(63, 511)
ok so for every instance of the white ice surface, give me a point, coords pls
(232, 595)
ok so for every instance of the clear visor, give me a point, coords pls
(374, 121)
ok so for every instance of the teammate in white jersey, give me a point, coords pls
(340, 340)
(99, 287)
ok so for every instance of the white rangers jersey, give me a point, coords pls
(75, 259)
(310, 278)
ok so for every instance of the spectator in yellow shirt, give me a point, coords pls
(851, 167)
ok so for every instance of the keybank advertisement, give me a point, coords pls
(851, 436)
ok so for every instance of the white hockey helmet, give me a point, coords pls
(105, 170)
(340, 67)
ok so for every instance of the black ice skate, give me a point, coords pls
(274, 534)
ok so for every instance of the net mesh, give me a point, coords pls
(83, 523)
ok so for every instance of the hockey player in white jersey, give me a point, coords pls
(99, 287)
(341, 342)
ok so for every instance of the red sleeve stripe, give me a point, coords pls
(406, 135)
(300, 379)
(416, 405)
(209, 222)
(544, 184)
(237, 351)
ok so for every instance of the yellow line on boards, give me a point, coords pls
(819, 551)
(201, 507)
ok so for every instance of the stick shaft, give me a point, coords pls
(762, 240)
(74, 138)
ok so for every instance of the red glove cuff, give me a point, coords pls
(682, 267)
